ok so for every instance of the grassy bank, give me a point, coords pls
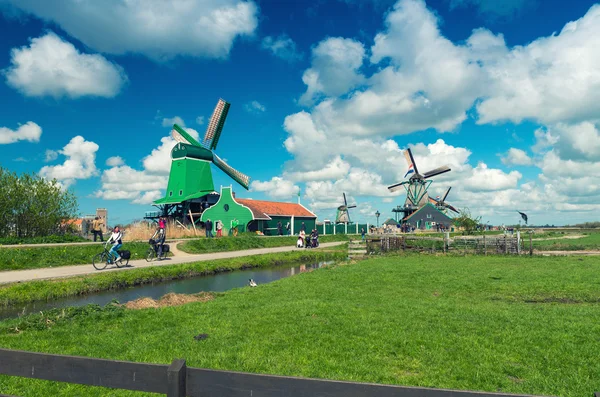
(26, 292)
(203, 246)
(39, 257)
(590, 241)
(65, 238)
(507, 324)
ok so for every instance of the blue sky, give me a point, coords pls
(324, 97)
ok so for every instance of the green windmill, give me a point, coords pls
(190, 177)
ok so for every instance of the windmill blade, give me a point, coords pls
(181, 136)
(352, 206)
(215, 125)
(437, 171)
(395, 187)
(237, 176)
(345, 202)
(446, 195)
(411, 160)
(452, 208)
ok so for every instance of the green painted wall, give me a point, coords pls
(235, 210)
(188, 179)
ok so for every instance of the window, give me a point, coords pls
(170, 194)
(428, 216)
(226, 207)
(181, 192)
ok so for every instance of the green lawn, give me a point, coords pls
(516, 325)
(66, 255)
(243, 242)
(591, 241)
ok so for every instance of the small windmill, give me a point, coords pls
(190, 177)
(442, 205)
(343, 215)
(416, 187)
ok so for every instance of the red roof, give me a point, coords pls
(264, 209)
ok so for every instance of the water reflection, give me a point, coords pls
(216, 283)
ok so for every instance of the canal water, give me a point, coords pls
(216, 283)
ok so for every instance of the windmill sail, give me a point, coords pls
(215, 125)
(237, 176)
(437, 171)
(181, 136)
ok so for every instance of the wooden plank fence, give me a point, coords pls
(472, 244)
(177, 380)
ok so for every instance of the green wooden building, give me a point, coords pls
(258, 215)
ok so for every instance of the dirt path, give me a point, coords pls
(79, 270)
(566, 253)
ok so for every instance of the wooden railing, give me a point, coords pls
(177, 380)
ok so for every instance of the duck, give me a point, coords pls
(252, 283)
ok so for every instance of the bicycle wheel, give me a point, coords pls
(122, 262)
(150, 254)
(99, 261)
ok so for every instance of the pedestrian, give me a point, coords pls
(97, 229)
(362, 232)
(279, 229)
(287, 229)
(219, 228)
(303, 227)
(234, 225)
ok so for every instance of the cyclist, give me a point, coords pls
(158, 239)
(116, 240)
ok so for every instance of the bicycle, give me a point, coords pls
(101, 260)
(153, 251)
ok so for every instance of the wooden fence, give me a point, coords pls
(472, 244)
(177, 380)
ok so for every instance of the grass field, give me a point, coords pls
(590, 241)
(516, 325)
(39, 257)
(46, 290)
(203, 246)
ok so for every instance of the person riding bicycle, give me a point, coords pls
(116, 240)
(158, 239)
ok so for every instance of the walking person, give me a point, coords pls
(279, 228)
(362, 233)
(209, 227)
(287, 229)
(219, 228)
(234, 226)
(97, 229)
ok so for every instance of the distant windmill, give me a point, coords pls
(441, 202)
(416, 187)
(343, 215)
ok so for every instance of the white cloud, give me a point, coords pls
(168, 122)
(157, 29)
(51, 155)
(29, 131)
(255, 107)
(334, 68)
(484, 178)
(552, 79)
(80, 162)
(516, 156)
(277, 187)
(115, 161)
(123, 182)
(200, 120)
(282, 47)
(159, 160)
(579, 141)
(543, 140)
(53, 67)
(336, 168)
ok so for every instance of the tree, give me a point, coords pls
(31, 206)
(466, 222)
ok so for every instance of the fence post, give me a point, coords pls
(484, 246)
(176, 377)
(505, 245)
(345, 228)
(531, 254)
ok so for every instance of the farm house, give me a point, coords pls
(258, 215)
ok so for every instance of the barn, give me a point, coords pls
(428, 217)
(258, 215)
